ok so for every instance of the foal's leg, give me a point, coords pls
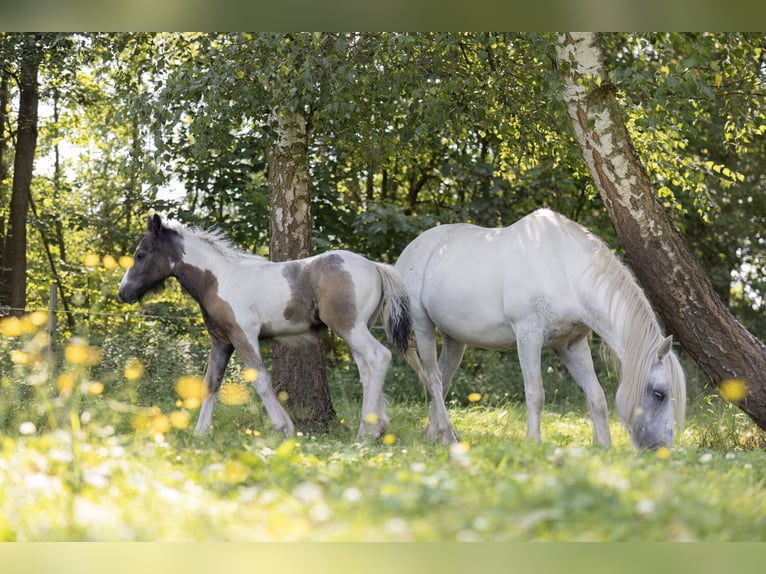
(220, 354)
(280, 420)
(372, 359)
(530, 346)
(449, 360)
(439, 426)
(577, 359)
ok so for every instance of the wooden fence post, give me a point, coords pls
(52, 307)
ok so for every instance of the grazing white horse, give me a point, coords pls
(245, 298)
(545, 281)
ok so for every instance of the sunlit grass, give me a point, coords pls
(84, 457)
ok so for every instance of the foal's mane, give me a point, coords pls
(216, 239)
(630, 311)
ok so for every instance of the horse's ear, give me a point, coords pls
(665, 347)
(154, 224)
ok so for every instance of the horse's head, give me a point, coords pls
(656, 411)
(156, 255)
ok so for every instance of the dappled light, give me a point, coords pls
(108, 428)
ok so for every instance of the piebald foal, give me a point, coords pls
(245, 298)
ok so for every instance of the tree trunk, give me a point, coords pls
(4, 80)
(667, 269)
(297, 371)
(15, 256)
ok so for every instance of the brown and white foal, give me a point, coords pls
(245, 298)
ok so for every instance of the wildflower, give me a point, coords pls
(192, 390)
(388, 438)
(65, 384)
(109, 262)
(38, 318)
(79, 352)
(27, 428)
(91, 260)
(96, 388)
(19, 357)
(232, 394)
(179, 419)
(733, 390)
(645, 507)
(283, 396)
(371, 418)
(250, 375)
(474, 397)
(10, 327)
(663, 453)
(160, 424)
(134, 369)
(126, 262)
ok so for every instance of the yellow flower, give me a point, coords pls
(160, 424)
(10, 327)
(134, 369)
(96, 388)
(474, 397)
(283, 396)
(109, 262)
(388, 438)
(371, 418)
(192, 390)
(231, 394)
(733, 390)
(126, 262)
(250, 375)
(38, 318)
(80, 353)
(663, 453)
(65, 384)
(91, 260)
(19, 357)
(179, 419)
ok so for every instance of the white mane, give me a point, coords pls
(215, 239)
(631, 313)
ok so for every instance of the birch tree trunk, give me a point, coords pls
(665, 266)
(297, 371)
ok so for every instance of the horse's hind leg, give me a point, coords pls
(372, 359)
(577, 359)
(449, 360)
(439, 426)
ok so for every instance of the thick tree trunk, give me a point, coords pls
(15, 256)
(667, 269)
(298, 371)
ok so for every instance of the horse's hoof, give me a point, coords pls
(444, 435)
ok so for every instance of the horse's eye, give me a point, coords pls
(659, 395)
(139, 256)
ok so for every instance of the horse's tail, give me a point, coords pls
(397, 320)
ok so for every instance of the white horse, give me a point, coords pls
(545, 281)
(245, 298)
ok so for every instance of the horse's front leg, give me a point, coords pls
(530, 346)
(219, 357)
(251, 356)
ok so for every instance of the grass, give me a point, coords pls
(103, 454)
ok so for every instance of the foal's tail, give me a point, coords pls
(397, 320)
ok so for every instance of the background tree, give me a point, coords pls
(15, 244)
(666, 267)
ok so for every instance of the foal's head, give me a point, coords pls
(156, 256)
